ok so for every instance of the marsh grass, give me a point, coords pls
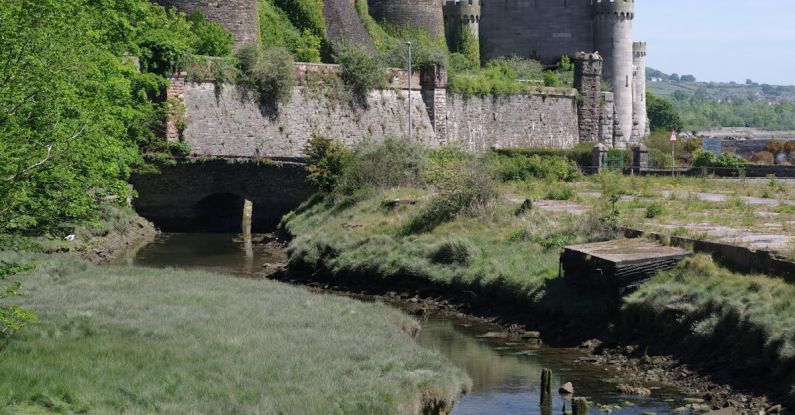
(492, 251)
(139, 341)
(747, 320)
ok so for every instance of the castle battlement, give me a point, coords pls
(623, 8)
(639, 49)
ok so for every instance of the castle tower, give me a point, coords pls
(461, 13)
(424, 14)
(462, 27)
(639, 121)
(613, 40)
(588, 82)
(239, 16)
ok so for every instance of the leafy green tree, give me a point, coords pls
(662, 114)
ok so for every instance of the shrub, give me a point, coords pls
(268, 72)
(390, 163)
(465, 187)
(212, 39)
(179, 148)
(521, 167)
(326, 161)
(618, 154)
(360, 71)
(704, 159)
(276, 30)
(162, 51)
(12, 317)
(560, 192)
(452, 252)
(659, 159)
(654, 210)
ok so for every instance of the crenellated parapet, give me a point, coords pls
(639, 50)
(623, 8)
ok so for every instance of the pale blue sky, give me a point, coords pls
(720, 40)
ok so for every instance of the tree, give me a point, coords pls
(662, 114)
(73, 110)
(674, 77)
(688, 78)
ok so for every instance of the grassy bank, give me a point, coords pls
(132, 340)
(742, 323)
(425, 228)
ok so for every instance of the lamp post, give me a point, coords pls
(409, 66)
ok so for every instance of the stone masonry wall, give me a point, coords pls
(546, 119)
(226, 123)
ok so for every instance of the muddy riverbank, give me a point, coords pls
(596, 347)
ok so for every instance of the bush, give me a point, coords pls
(704, 159)
(162, 51)
(391, 163)
(268, 72)
(654, 210)
(521, 167)
(503, 76)
(464, 187)
(360, 71)
(212, 39)
(326, 162)
(452, 252)
(561, 192)
(12, 317)
(179, 148)
(659, 159)
(276, 30)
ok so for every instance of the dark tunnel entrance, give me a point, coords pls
(219, 213)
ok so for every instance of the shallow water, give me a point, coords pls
(506, 374)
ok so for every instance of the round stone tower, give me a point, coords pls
(424, 14)
(239, 16)
(461, 13)
(639, 124)
(613, 40)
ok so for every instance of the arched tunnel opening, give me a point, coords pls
(219, 213)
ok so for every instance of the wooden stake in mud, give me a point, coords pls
(579, 406)
(248, 213)
(546, 387)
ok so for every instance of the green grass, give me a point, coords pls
(139, 341)
(748, 320)
(496, 252)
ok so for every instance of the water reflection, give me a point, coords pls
(506, 375)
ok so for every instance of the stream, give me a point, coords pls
(506, 374)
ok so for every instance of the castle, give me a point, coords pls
(540, 29)
(548, 29)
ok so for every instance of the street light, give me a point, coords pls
(409, 65)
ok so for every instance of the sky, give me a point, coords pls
(720, 40)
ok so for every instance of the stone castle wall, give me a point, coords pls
(545, 119)
(223, 121)
(543, 29)
(239, 16)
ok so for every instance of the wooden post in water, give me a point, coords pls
(248, 213)
(579, 406)
(546, 388)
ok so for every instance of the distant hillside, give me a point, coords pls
(708, 105)
(665, 85)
